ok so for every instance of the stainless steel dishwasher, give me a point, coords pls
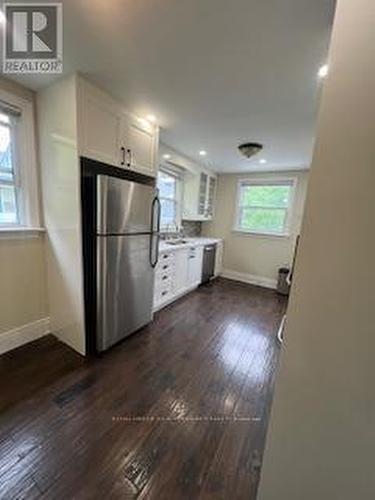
(208, 267)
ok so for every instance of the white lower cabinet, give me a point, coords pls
(181, 271)
(195, 266)
(164, 279)
(177, 272)
(219, 258)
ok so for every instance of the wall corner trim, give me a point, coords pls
(250, 279)
(23, 334)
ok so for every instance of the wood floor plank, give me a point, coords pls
(66, 428)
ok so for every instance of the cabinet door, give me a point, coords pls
(195, 266)
(190, 196)
(181, 271)
(202, 201)
(211, 196)
(100, 125)
(219, 258)
(139, 140)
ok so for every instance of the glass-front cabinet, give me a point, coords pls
(199, 196)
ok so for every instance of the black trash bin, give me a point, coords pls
(283, 287)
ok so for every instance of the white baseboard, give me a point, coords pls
(22, 335)
(250, 279)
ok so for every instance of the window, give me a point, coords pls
(19, 200)
(264, 207)
(169, 194)
(9, 213)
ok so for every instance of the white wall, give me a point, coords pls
(321, 443)
(57, 112)
(253, 257)
(181, 160)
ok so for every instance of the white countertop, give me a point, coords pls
(190, 242)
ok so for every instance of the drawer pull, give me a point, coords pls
(165, 267)
(163, 294)
(164, 278)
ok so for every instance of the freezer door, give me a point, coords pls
(125, 207)
(125, 287)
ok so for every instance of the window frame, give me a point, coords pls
(274, 181)
(26, 178)
(178, 198)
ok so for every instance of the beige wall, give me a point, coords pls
(255, 255)
(321, 443)
(23, 281)
(22, 265)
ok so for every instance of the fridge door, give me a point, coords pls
(125, 207)
(125, 287)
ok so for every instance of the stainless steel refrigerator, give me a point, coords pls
(127, 238)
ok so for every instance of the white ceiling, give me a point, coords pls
(214, 72)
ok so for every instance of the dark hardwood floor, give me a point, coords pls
(177, 411)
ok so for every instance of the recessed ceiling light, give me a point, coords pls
(323, 72)
(262, 161)
(203, 153)
(167, 156)
(151, 118)
(144, 122)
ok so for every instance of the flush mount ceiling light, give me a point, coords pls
(203, 153)
(167, 156)
(263, 161)
(323, 72)
(249, 149)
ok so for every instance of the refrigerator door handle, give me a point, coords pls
(159, 215)
(154, 237)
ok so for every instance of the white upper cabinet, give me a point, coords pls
(199, 196)
(100, 126)
(139, 145)
(109, 134)
(211, 194)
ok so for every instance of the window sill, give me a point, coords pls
(19, 232)
(243, 232)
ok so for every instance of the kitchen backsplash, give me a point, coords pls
(192, 229)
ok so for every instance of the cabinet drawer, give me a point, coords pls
(164, 258)
(164, 293)
(164, 280)
(164, 266)
(163, 270)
